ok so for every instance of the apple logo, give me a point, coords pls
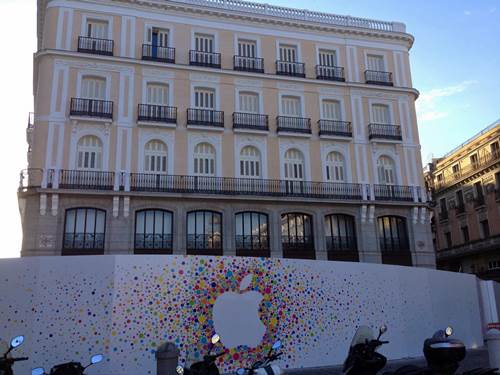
(236, 317)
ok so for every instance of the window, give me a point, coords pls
(249, 102)
(380, 114)
(158, 37)
(494, 148)
(291, 106)
(460, 201)
(465, 234)
(327, 58)
(157, 94)
(340, 233)
(288, 53)
(84, 229)
(204, 43)
(294, 165)
(494, 264)
(386, 171)
(97, 29)
(89, 153)
(252, 232)
(478, 187)
(155, 157)
(204, 232)
(485, 228)
(376, 63)
(456, 170)
(204, 98)
(440, 177)
(247, 48)
(93, 88)
(153, 231)
(335, 167)
(447, 237)
(331, 110)
(474, 160)
(250, 162)
(393, 234)
(204, 160)
(297, 236)
(442, 205)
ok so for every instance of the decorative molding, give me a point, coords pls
(248, 82)
(96, 66)
(43, 204)
(126, 206)
(338, 91)
(290, 86)
(156, 73)
(423, 215)
(371, 214)
(377, 94)
(364, 209)
(415, 215)
(259, 142)
(200, 77)
(55, 204)
(116, 206)
(46, 241)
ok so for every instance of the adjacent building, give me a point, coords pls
(222, 128)
(465, 187)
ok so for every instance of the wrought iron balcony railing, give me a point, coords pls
(395, 193)
(251, 121)
(91, 108)
(206, 59)
(330, 73)
(205, 117)
(293, 124)
(248, 64)
(204, 244)
(334, 127)
(83, 244)
(385, 131)
(287, 68)
(84, 180)
(157, 53)
(298, 247)
(342, 248)
(378, 78)
(95, 46)
(153, 243)
(157, 113)
(252, 245)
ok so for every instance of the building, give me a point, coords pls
(214, 127)
(465, 188)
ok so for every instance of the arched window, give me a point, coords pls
(252, 237)
(204, 233)
(341, 241)
(155, 157)
(89, 153)
(84, 230)
(297, 236)
(335, 170)
(250, 162)
(294, 165)
(153, 232)
(93, 88)
(394, 242)
(386, 171)
(204, 160)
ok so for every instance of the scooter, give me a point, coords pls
(7, 363)
(265, 367)
(363, 358)
(207, 366)
(70, 368)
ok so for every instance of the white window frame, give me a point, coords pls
(249, 37)
(214, 140)
(98, 74)
(145, 158)
(161, 26)
(328, 47)
(101, 154)
(289, 42)
(98, 17)
(150, 81)
(387, 103)
(205, 31)
(252, 90)
(343, 149)
(377, 53)
(300, 95)
(260, 162)
(166, 137)
(397, 165)
(216, 172)
(304, 148)
(259, 142)
(339, 99)
(98, 132)
(205, 85)
(328, 163)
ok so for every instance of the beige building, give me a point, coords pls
(465, 187)
(223, 127)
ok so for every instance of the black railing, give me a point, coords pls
(330, 73)
(250, 121)
(95, 46)
(83, 244)
(252, 245)
(342, 248)
(287, 68)
(157, 113)
(153, 243)
(397, 257)
(91, 108)
(298, 247)
(157, 53)
(86, 180)
(333, 127)
(385, 131)
(394, 193)
(248, 64)
(378, 78)
(205, 117)
(293, 124)
(204, 244)
(207, 59)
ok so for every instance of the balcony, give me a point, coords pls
(157, 53)
(374, 77)
(91, 108)
(204, 244)
(399, 193)
(157, 113)
(82, 180)
(83, 244)
(293, 69)
(488, 245)
(330, 73)
(298, 247)
(250, 121)
(335, 128)
(342, 248)
(95, 46)
(153, 244)
(385, 131)
(205, 117)
(248, 64)
(206, 59)
(252, 246)
(293, 124)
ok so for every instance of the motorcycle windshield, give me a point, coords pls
(363, 334)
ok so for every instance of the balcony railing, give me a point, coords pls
(252, 245)
(486, 245)
(205, 117)
(394, 193)
(157, 113)
(335, 128)
(385, 131)
(95, 46)
(157, 53)
(287, 68)
(206, 59)
(204, 244)
(378, 78)
(293, 124)
(330, 73)
(91, 108)
(84, 180)
(342, 248)
(83, 244)
(153, 244)
(298, 247)
(251, 121)
(248, 64)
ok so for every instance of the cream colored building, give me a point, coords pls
(223, 127)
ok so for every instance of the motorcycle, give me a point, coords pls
(6, 363)
(69, 368)
(363, 358)
(264, 367)
(207, 366)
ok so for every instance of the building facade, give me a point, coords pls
(465, 188)
(224, 128)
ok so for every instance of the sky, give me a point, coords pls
(455, 66)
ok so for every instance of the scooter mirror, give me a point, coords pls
(383, 329)
(449, 331)
(38, 371)
(16, 341)
(215, 339)
(180, 370)
(277, 345)
(96, 358)
(240, 371)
